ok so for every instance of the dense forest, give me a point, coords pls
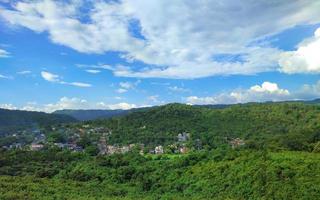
(280, 158)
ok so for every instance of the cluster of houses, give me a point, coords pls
(178, 147)
(75, 134)
(105, 149)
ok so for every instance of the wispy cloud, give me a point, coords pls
(5, 77)
(93, 71)
(178, 89)
(25, 72)
(54, 78)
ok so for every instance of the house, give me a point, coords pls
(15, 146)
(36, 147)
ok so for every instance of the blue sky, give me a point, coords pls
(123, 54)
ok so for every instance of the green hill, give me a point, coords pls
(293, 126)
(13, 120)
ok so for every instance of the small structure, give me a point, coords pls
(111, 149)
(102, 146)
(183, 137)
(125, 149)
(183, 150)
(158, 150)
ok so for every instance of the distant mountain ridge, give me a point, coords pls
(92, 114)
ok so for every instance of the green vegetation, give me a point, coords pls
(218, 174)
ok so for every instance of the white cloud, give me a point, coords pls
(56, 79)
(305, 59)
(93, 71)
(121, 90)
(154, 98)
(50, 76)
(266, 92)
(126, 86)
(4, 53)
(173, 43)
(308, 91)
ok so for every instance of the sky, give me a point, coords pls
(122, 54)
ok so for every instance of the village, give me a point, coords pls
(101, 135)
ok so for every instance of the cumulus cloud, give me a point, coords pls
(71, 103)
(172, 43)
(305, 59)
(4, 53)
(8, 106)
(57, 79)
(267, 91)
